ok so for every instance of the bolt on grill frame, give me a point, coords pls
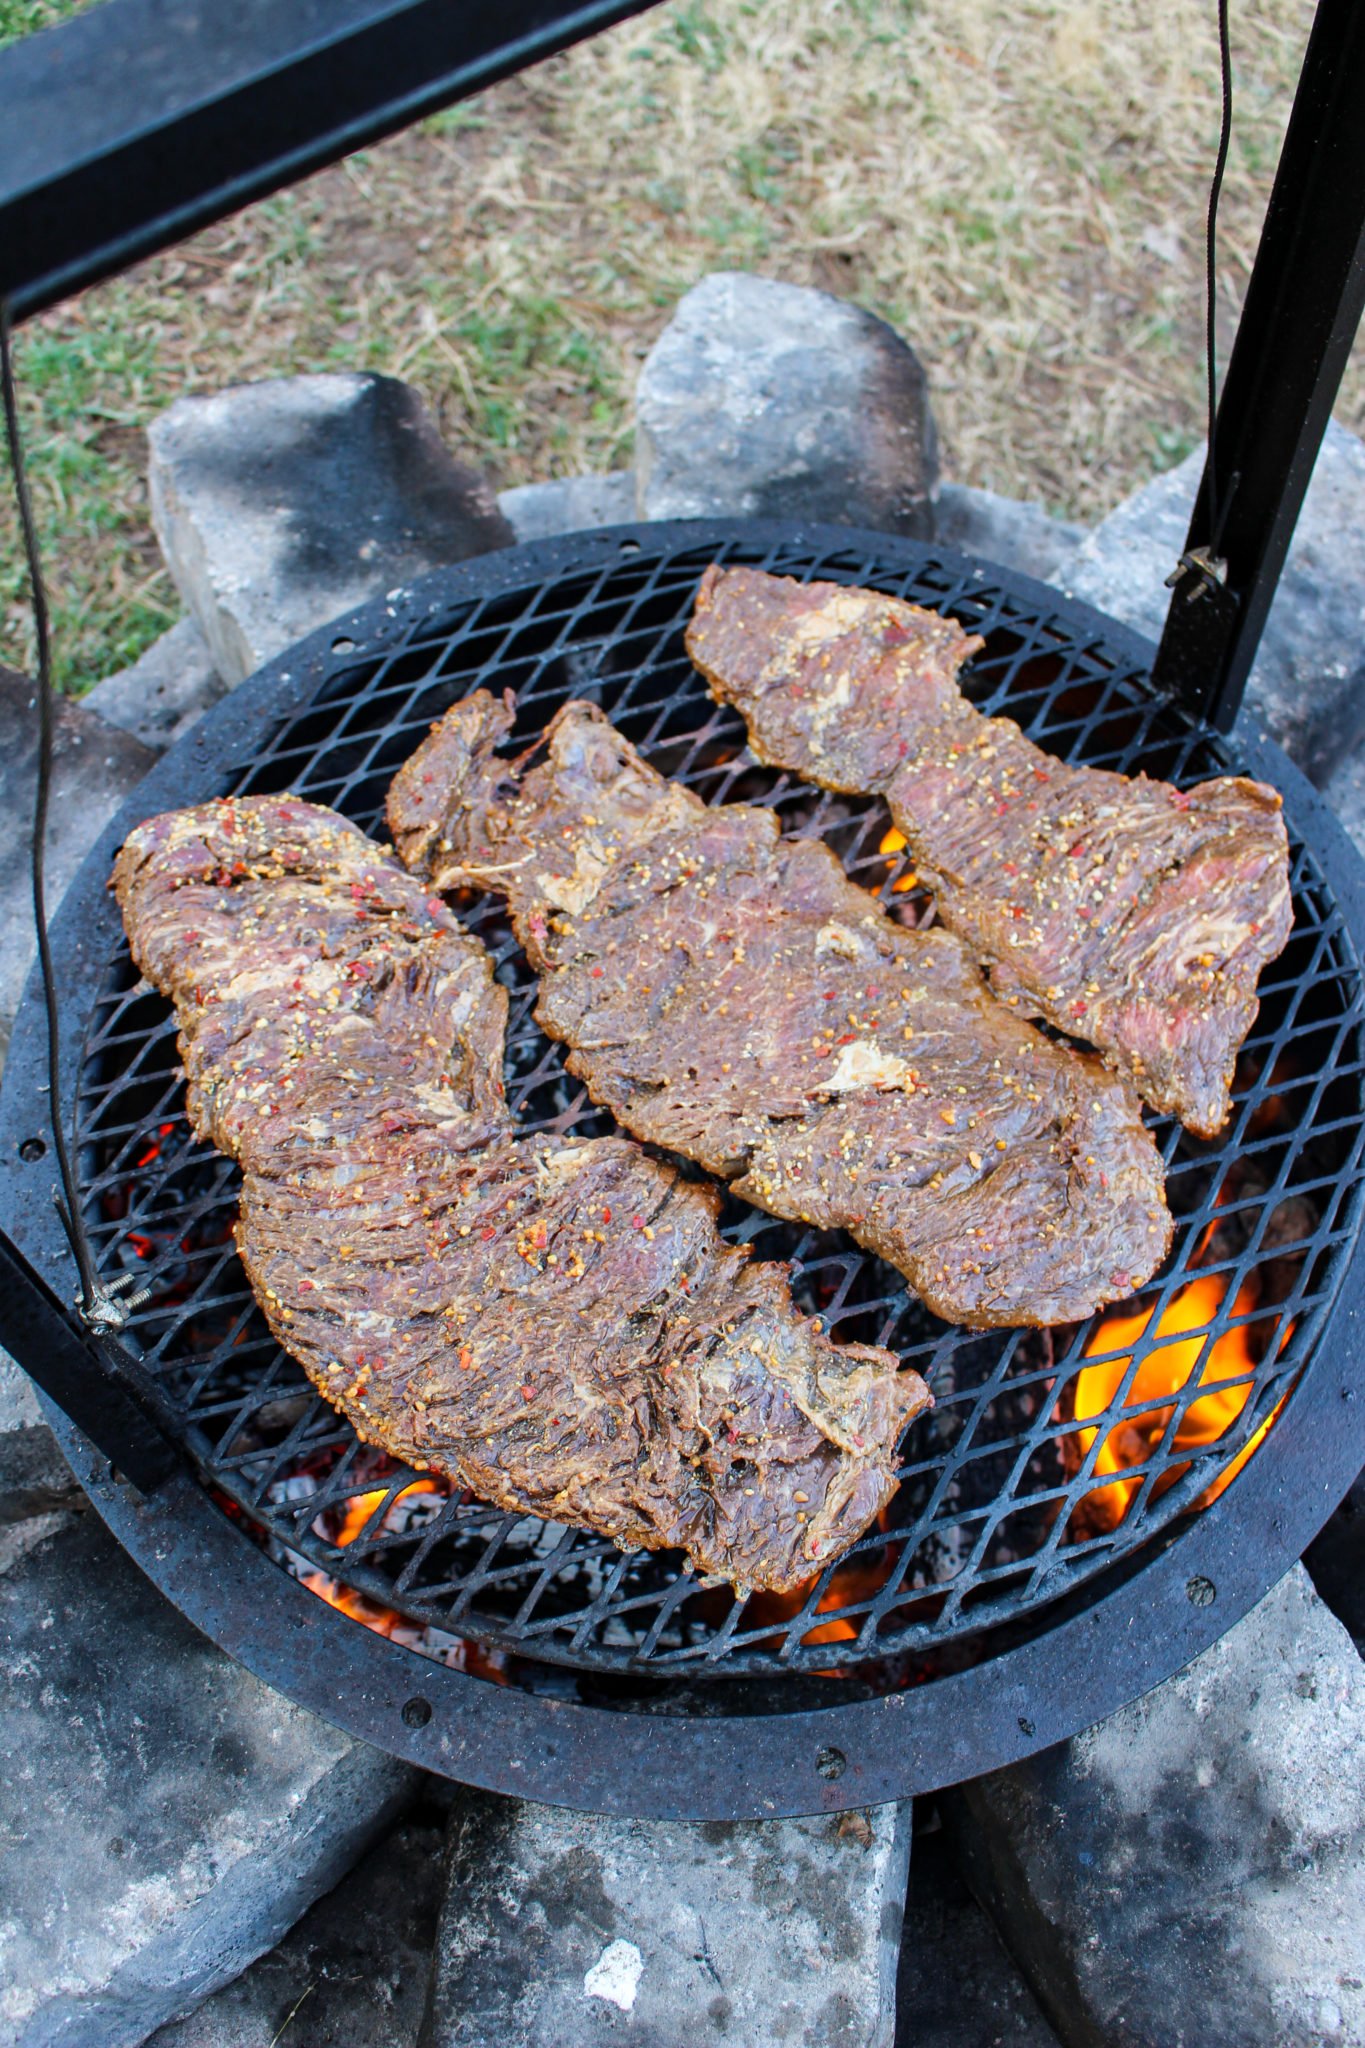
(334, 719)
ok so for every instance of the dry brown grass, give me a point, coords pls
(1018, 185)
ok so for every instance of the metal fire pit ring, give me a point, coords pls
(655, 1740)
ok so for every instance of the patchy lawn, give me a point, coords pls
(1018, 185)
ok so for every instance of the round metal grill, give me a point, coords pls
(1007, 1500)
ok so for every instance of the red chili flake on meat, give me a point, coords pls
(466, 1357)
(1009, 867)
(1104, 1180)
(822, 1052)
(847, 1038)
(637, 1222)
(487, 1232)
(902, 748)
(298, 984)
(1082, 910)
(606, 1215)
(872, 993)
(1018, 910)
(1041, 775)
(1079, 847)
(305, 1287)
(435, 905)
(359, 891)
(831, 995)
(597, 973)
(1001, 808)
(1078, 1008)
(357, 970)
(528, 1393)
(1121, 1279)
(428, 776)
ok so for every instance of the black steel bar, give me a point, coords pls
(1303, 305)
(128, 128)
(93, 1379)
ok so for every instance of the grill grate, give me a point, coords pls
(999, 1509)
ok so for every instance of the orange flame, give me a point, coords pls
(1179, 1345)
(894, 842)
(386, 1621)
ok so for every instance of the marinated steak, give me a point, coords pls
(1128, 913)
(731, 994)
(552, 1323)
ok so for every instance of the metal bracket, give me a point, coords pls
(1303, 304)
(94, 1379)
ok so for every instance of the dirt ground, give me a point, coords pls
(1018, 185)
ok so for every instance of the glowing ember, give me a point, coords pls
(893, 843)
(1180, 1349)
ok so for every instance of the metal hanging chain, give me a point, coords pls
(1204, 566)
(98, 1304)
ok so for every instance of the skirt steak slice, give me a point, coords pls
(1128, 913)
(553, 1323)
(731, 994)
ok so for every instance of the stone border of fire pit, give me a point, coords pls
(1073, 1673)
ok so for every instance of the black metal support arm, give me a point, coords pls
(1303, 305)
(94, 1380)
(128, 128)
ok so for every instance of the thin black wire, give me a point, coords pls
(69, 1206)
(1217, 512)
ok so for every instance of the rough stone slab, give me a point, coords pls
(279, 505)
(566, 1930)
(35, 1478)
(570, 504)
(958, 1988)
(1192, 1870)
(165, 1816)
(94, 767)
(166, 691)
(769, 400)
(353, 1973)
(1305, 685)
(1014, 532)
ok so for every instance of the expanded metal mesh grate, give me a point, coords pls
(1008, 1498)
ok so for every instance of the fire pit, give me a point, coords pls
(1083, 1510)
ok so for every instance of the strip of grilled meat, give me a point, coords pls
(553, 1323)
(731, 994)
(1128, 913)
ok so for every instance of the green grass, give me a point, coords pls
(988, 175)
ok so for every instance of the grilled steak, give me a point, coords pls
(554, 1324)
(1128, 913)
(731, 994)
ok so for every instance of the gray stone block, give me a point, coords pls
(280, 505)
(565, 1930)
(165, 692)
(1305, 686)
(569, 504)
(166, 1817)
(94, 767)
(35, 1478)
(1192, 1870)
(352, 1974)
(768, 400)
(1017, 534)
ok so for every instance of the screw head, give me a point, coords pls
(1201, 1592)
(416, 1713)
(32, 1150)
(831, 1764)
